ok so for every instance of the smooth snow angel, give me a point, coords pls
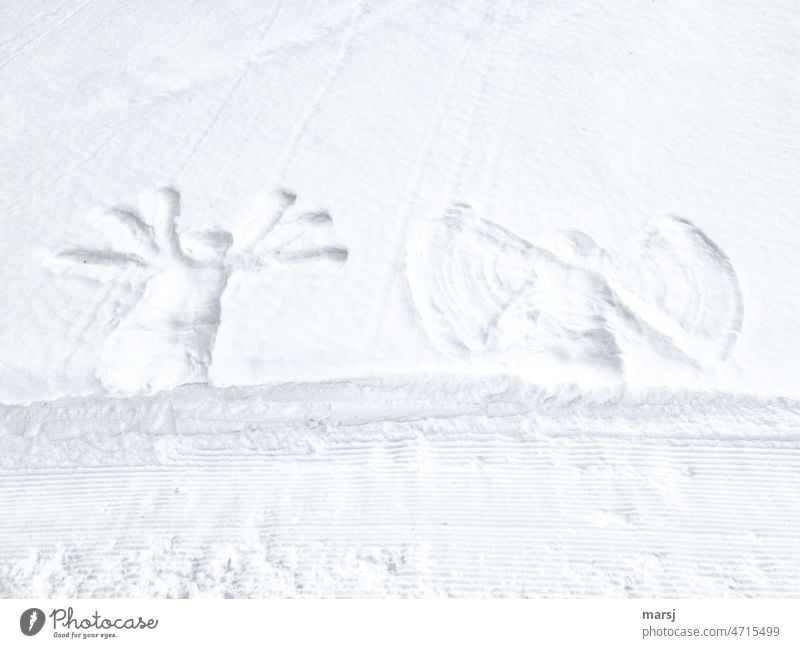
(167, 338)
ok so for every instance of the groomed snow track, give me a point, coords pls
(414, 486)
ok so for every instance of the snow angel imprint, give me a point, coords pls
(167, 337)
(570, 309)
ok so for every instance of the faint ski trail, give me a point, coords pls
(419, 172)
(47, 30)
(508, 92)
(499, 25)
(411, 198)
(500, 143)
(42, 17)
(360, 11)
(418, 179)
(265, 29)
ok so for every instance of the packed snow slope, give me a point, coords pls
(364, 121)
(418, 486)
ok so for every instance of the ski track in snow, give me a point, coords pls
(419, 486)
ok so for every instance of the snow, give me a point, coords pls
(437, 487)
(395, 298)
(582, 315)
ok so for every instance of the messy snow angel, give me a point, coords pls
(167, 336)
(569, 310)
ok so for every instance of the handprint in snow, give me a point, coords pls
(167, 338)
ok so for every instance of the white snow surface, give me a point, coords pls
(418, 486)
(393, 298)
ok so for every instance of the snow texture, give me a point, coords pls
(417, 486)
(672, 296)
(166, 338)
(385, 298)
